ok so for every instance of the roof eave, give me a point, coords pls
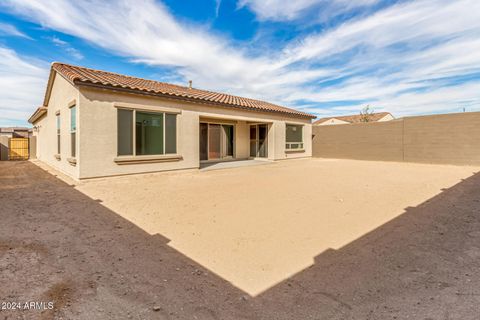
(48, 91)
(39, 113)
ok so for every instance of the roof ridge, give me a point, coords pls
(114, 79)
(128, 76)
(166, 83)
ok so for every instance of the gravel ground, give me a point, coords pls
(62, 245)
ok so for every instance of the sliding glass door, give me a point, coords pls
(203, 141)
(258, 141)
(216, 141)
(227, 141)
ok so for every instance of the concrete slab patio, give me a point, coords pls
(304, 239)
(232, 164)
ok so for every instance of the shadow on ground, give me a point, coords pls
(58, 244)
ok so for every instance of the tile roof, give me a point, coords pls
(357, 118)
(85, 76)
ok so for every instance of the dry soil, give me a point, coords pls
(306, 239)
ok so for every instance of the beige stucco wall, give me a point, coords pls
(446, 139)
(242, 143)
(63, 93)
(32, 147)
(98, 123)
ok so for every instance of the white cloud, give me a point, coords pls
(281, 10)
(396, 59)
(9, 30)
(218, 4)
(22, 85)
(407, 47)
(71, 51)
(145, 32)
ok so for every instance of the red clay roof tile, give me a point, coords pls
(80, 75)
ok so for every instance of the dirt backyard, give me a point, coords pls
(302, 239)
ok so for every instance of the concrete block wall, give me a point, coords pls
(445, 139)
(374, 141)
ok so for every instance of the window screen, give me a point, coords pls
(155, 133)
(73, 119)
(170, 133)
(149, 133)
(125, 132)
(294, 137)
(294, 133)
(73, 131)
(58, 133)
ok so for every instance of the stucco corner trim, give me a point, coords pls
(121, 160)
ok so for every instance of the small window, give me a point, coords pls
(58, 133)
(155, 133)
(294, 137)
(73, 131)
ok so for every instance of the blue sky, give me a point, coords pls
(323, 57)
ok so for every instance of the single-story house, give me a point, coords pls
(357, 118)
(95, 123)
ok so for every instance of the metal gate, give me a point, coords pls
(18, 149)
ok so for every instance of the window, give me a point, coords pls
(149, 139)
(294, 137)
(125, 132)
(58, 133)
(170, 133)
(155, 133)
(73, 130)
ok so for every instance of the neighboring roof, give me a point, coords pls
(355, 118)
(13, 129)
(89, 77)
